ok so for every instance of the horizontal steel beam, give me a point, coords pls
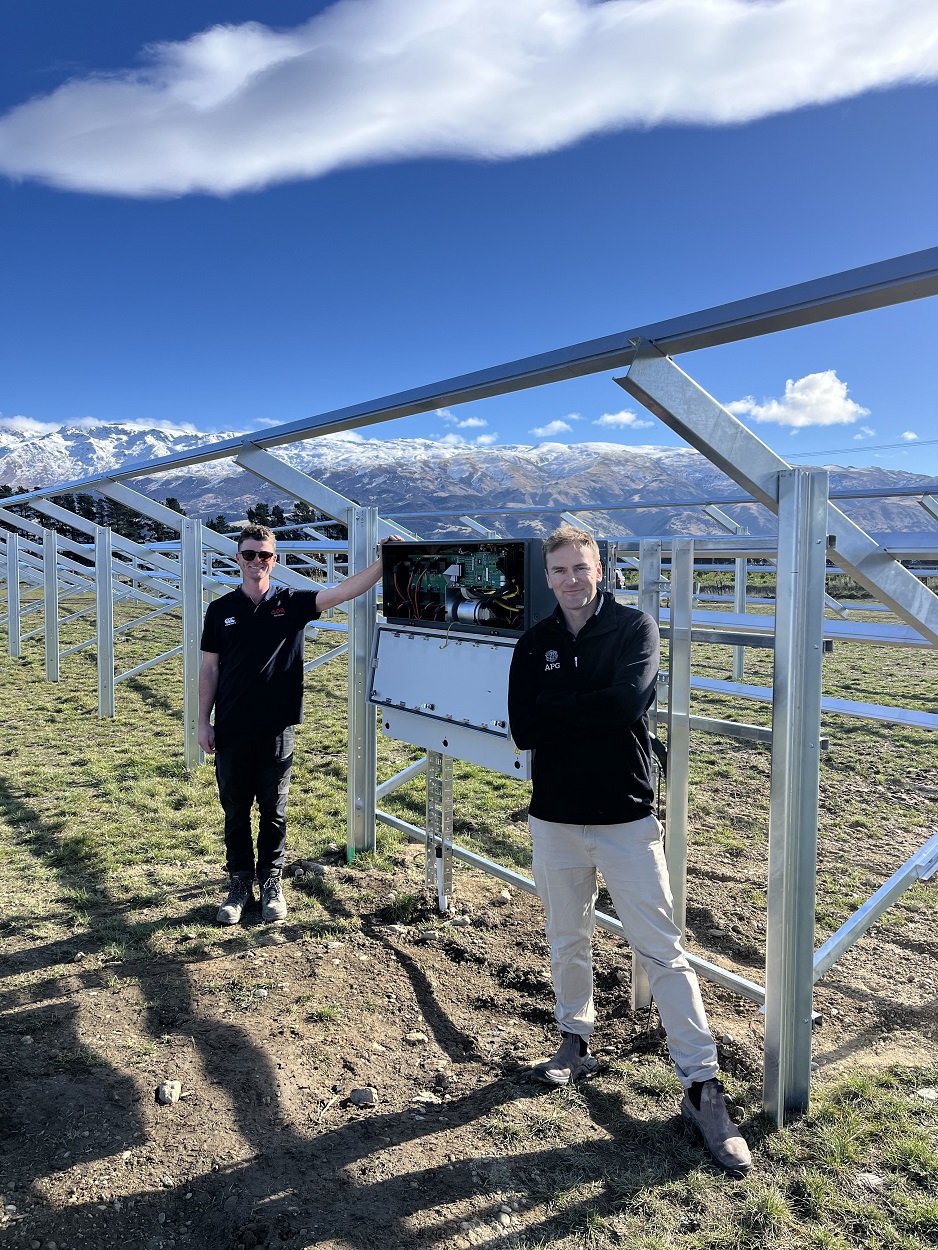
(879, 285)
(922, 865)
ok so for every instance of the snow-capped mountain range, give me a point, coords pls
(422, 476)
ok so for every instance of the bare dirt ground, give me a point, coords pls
(270, 1030)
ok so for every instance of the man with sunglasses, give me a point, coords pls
(252, 676)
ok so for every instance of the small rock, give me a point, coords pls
(168, 1092)
(317, 870)
(378, 1048)
(27, 1040)
(869, 1180)
(167, 1182)
(298, 874)
(504, 896)
(716, 933)
(426, 1098)
(10, 1208)
(261, 993)
(366, 1097)
(929, 1093)
(504, 1219)
(231, 1203)
(415, 1039)
(78, 957)
(51, 1245)
(728, 1039)
(161, 1218)
(461, 922)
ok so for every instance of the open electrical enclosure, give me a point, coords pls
(494, 587)
(454, 611)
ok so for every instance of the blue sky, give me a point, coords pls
(225, 226)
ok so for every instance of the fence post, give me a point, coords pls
(682, 606)
(104, 619)
(13, 596)
(793, 809)
(362, 725)
(190, 576)
(50, 601)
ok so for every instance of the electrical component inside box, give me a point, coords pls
(469, 584)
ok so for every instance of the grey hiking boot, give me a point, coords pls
(704, 1107)
(240, 895)
(571, 1061)
(273, 904)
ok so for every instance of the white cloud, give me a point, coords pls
(815, 399)
(909, 436)
(471, 423)
(486, 440)
(623, 420)
(551, 428)
(28, 426)
(35, 429)
(238, 107)
(865, 432)
(452, 440)
(445, 415)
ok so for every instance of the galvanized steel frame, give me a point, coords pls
(796, 495)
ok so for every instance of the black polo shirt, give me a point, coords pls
(260, 660)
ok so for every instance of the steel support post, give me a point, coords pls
(793, 810)
(104, 619)
(439, 859)
(682, 607)
(739, 606)
(190, 578)
(740, 574)
(362, 723)
(13, 596)
(649, 600)
(50, 601)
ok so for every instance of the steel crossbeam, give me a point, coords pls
(677, 400)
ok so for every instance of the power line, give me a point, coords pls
(836, 451)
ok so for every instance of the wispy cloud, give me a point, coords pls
(240, 107)
(623, 421)
(36, 429)
(909, 436)
(815, 399)
(551, 428)
(457, 440)
(865, 431)
(28, 426)
(471, 423)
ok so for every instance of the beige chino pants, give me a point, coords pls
(631, 860)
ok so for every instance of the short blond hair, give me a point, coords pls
(570, 536)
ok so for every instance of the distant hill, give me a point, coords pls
(421, 476)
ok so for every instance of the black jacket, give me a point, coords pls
(580, 704)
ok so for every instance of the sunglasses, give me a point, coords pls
(263, 556)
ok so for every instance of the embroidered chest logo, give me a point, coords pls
(278, 611)
(552, 661)
(230, 620)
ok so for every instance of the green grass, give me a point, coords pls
(100, 825)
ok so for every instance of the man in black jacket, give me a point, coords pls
(580, 686)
